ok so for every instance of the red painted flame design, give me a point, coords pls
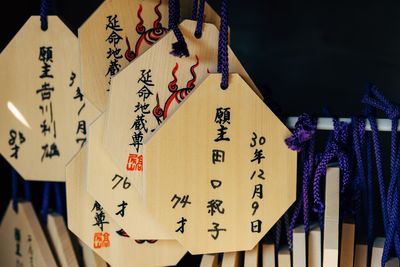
(190, 84)
(129, 54)
(140, 28)
(122, 232)
(157, 110)
(157, 22)
(172, 86)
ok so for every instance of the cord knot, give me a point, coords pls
(304, 131)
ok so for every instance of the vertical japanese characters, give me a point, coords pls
(215, 206)
(121, 183)
(257, 179)
(19, 262)
(100, 239)
(18, 253)
(182, 201)
(48, 124)
(30, 250)
(139, 126)
(15, 141)
(79, 97)
(113, 53)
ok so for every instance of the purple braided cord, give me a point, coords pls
(223, 62)
(305, 129)
(392, 163)
(329, 154)
(337, 144)
(171, 13)
(392, 112)
(307, 174)
(318, 158)
(382, 190)
(179, 49)
(379, 101)
(379, 168)
(287, 226)
(344, 165)
(200, 20)
(278, 230)
(194, 10)
(392, 235)
(358, 134)
(370, 195)
(44, 9)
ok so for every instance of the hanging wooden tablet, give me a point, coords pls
(268, 255)
(314, 250)
(44, 112)
(377, 251)
(331, 218)
(148, 91)
(218, 174)
(116, 34)
(361, 255)
(284, 257)
(251, 257)
(232, 259)
(93, 225)
(299, 247)
(61, 241)
(376, 256)
(24, 243)
(347, 244)
(392, 262)
(90, 258)
(209, 261)
(124, 204)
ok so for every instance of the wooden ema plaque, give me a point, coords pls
(218, 173)
(24, 242)
(61, 241)
(128, 209)
(148, 91)
(116, 34)
(94, 226)
(43, 109)
(90, 258)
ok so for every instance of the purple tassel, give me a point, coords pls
(180, 49)
(304, 130)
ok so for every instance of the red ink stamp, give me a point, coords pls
(101, 240)
(135, 162)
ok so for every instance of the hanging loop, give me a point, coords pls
(223, 61)
(200, 20)
(44, 10)
(14, 190)
(45, 202)
(179, 49)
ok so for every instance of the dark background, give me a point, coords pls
(303, 56)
